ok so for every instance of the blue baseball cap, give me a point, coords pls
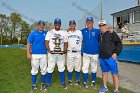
(72, 22)
(41, 22)
(57, 20)
(89, 19)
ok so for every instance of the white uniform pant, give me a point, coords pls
(91, 60)
(39, 60)
(56, 59)
(73, 61)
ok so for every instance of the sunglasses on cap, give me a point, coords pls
(102, 25)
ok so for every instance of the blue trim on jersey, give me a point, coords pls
(37, 39)
(90, 41)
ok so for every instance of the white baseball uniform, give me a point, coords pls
(74, 50)
(56, 58)
(39, 60)
(92, 60)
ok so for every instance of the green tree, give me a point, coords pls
(2, 26)
(25, 30)
(15, 19)
(49, 26)
(34, 26)
(8, 30)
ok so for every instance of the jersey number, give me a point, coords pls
(77, 41)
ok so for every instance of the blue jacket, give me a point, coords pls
(90, 41)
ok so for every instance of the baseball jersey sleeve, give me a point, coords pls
(81, 35)
(66, 37)
(30, 38)
(48, 36)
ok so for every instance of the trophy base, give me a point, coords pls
(57, 52)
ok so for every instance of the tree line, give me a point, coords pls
(14, 30)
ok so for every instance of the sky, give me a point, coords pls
(34, 10)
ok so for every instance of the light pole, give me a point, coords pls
(101, 2)
(85, 20)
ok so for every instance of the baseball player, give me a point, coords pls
(110, 48)
(74, 52)
(37, 55)
(56, 58)
(90, 51)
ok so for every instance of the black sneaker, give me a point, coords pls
(77, 83)
(64, 86)
(46, 87)
(33, 88)
(93, 85)
(70, 82)
(42, 87)
(85, 86)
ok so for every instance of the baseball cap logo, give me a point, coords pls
(57, 20)
(41, 22)
(89, 19)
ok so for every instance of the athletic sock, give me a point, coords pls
(34, 80)
(77, 76)
(48, 78)
(70, 76)
(62, 77)
(93, 76)
(85, 77)
(43, 79)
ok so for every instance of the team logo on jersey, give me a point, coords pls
(74, 36)
(57, 35)
(93, 33)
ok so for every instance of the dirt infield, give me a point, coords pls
(129, 76)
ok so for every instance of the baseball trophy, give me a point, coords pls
(57, 49)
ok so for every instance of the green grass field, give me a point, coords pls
(15, 76)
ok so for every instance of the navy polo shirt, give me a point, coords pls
(90, 41)
(37, 40)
